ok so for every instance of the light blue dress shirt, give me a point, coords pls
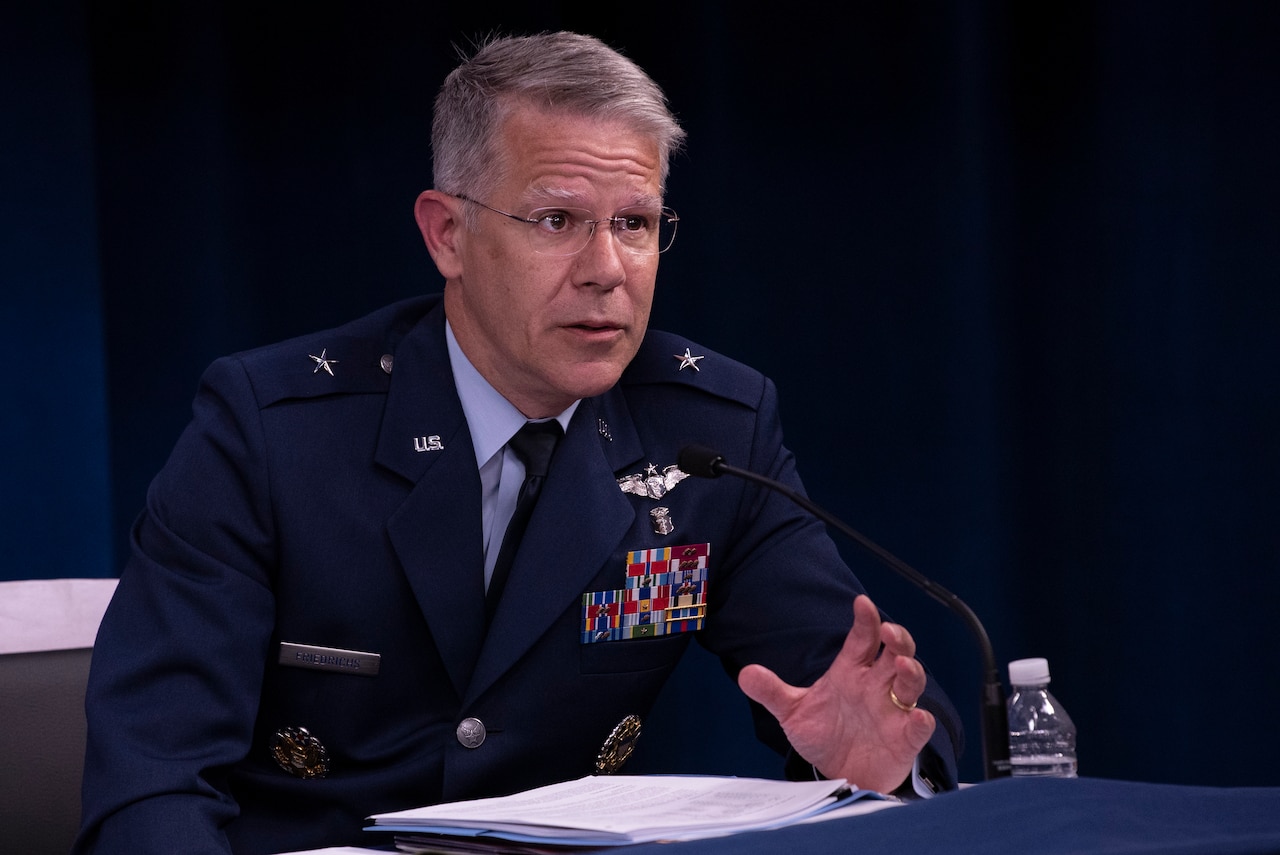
(492, 421)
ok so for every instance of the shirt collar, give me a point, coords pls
(491, 418)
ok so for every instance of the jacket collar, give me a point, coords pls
(580, 520)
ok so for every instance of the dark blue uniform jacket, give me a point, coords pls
(343, 511)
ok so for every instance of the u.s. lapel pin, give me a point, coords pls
(427, 443)
(323, 361)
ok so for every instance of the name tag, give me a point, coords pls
(330, 659)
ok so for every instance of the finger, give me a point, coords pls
(862, 644)
(920, 727)
(769, 690)
(897, 639)
(909, 680)
(910, 674)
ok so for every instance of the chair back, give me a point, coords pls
(47, 628)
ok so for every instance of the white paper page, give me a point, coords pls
(647, 807)
(339, 850)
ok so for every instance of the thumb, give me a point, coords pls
(920, 727)
(768, 689)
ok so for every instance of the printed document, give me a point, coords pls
(625, 809)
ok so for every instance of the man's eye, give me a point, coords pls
(554, 221)
(633, 223)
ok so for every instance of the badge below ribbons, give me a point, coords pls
(665, 593)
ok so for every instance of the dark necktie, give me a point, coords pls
(533, 444)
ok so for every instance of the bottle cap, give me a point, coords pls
(1029, 672)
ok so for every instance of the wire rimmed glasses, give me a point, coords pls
(567, 231)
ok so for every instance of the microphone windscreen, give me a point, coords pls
(700, 461)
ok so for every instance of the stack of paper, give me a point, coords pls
(615, 810)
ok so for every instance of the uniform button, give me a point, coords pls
(387, 362)
(471, 732)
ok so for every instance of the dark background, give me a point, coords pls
(1014, 267)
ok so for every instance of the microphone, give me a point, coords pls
(703, 462)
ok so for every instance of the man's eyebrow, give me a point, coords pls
(540, 196)
(646, 201)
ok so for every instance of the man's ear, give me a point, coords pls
(439, 217)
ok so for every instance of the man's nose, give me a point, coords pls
(601, 260)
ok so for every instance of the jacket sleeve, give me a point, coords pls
(178, 662)
(787, 600)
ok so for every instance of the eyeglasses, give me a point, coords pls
(567, 231)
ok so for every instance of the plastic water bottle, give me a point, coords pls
(1042, 737)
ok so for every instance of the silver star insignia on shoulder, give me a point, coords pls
(652, 484)
(688, 360)
(323, 362)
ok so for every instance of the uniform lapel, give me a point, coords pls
(436, 532)
(581, 518)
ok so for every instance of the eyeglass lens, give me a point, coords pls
(565, 231)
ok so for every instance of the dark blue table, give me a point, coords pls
(1038, 816)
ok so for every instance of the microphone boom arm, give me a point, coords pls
(994, 715)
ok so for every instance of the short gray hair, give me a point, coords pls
(560, 72)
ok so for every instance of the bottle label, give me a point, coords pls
(1043, 766)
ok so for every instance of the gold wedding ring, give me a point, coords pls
(898, 703)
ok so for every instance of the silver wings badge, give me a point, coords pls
(652, 484)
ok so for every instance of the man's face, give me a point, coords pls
(546, 330)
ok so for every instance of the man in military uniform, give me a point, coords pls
(327, 613)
